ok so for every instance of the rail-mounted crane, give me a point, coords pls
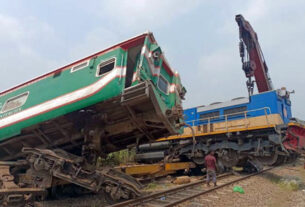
(253, 61)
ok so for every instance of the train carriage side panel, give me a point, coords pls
(57, 94)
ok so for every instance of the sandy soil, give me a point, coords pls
(283, 186)
(84, 201)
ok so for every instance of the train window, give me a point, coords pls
(163, 84)
(212, 115)
(15, 102)
(79, 66)
(105, 67)
(235, 111)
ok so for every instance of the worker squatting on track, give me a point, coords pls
(210, 162)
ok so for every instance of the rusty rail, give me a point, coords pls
(150, 197)
(186, 192)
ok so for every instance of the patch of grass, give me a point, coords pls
(151, 186)
(290, 183)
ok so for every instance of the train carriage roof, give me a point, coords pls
(233, 102)
(124, 45)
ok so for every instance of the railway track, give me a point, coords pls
(175, 196)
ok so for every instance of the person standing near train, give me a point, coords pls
(210, 163)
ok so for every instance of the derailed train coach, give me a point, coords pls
(120, 96)
(127, 91)
(259, 128)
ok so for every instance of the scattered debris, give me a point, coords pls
(238, 189)
(237, 169)
(182, 180)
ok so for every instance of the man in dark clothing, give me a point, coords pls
(210, 163)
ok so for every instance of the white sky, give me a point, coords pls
(200, 39)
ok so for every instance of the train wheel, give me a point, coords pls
(292, 157)
(228, 158)
(106, 197)
(198, 160)
(220, 167)
(280, 160)
(267, 160)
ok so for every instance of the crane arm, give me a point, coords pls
(253, 61)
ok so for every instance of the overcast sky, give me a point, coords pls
(200, 40)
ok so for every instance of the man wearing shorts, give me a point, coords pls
(210, 163)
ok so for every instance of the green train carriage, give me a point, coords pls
(53, 128)
(122, 95)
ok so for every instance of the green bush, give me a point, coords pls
(117, 158)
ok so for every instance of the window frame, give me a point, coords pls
(167, 90)
(104, 62)
(74, 70)
(14, 97)
(216, 115)
(239, 111)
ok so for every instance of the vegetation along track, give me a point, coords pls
(184, 193)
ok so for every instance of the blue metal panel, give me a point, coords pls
(274, 103)
(190, 116)
(267, 102)
(260, 104)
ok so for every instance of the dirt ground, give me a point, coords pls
(84, 201)
(281, 187)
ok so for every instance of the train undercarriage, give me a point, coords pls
(268, 146)
(45, 171)
(60, 154)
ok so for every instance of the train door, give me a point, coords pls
(132, 58)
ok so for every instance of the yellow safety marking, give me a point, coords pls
(296, 124)
(217, 132)
(143, 169)
(178, 166)
(156, 169)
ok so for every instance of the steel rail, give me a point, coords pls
(167, 203)
(214, 188)
(152, 196)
